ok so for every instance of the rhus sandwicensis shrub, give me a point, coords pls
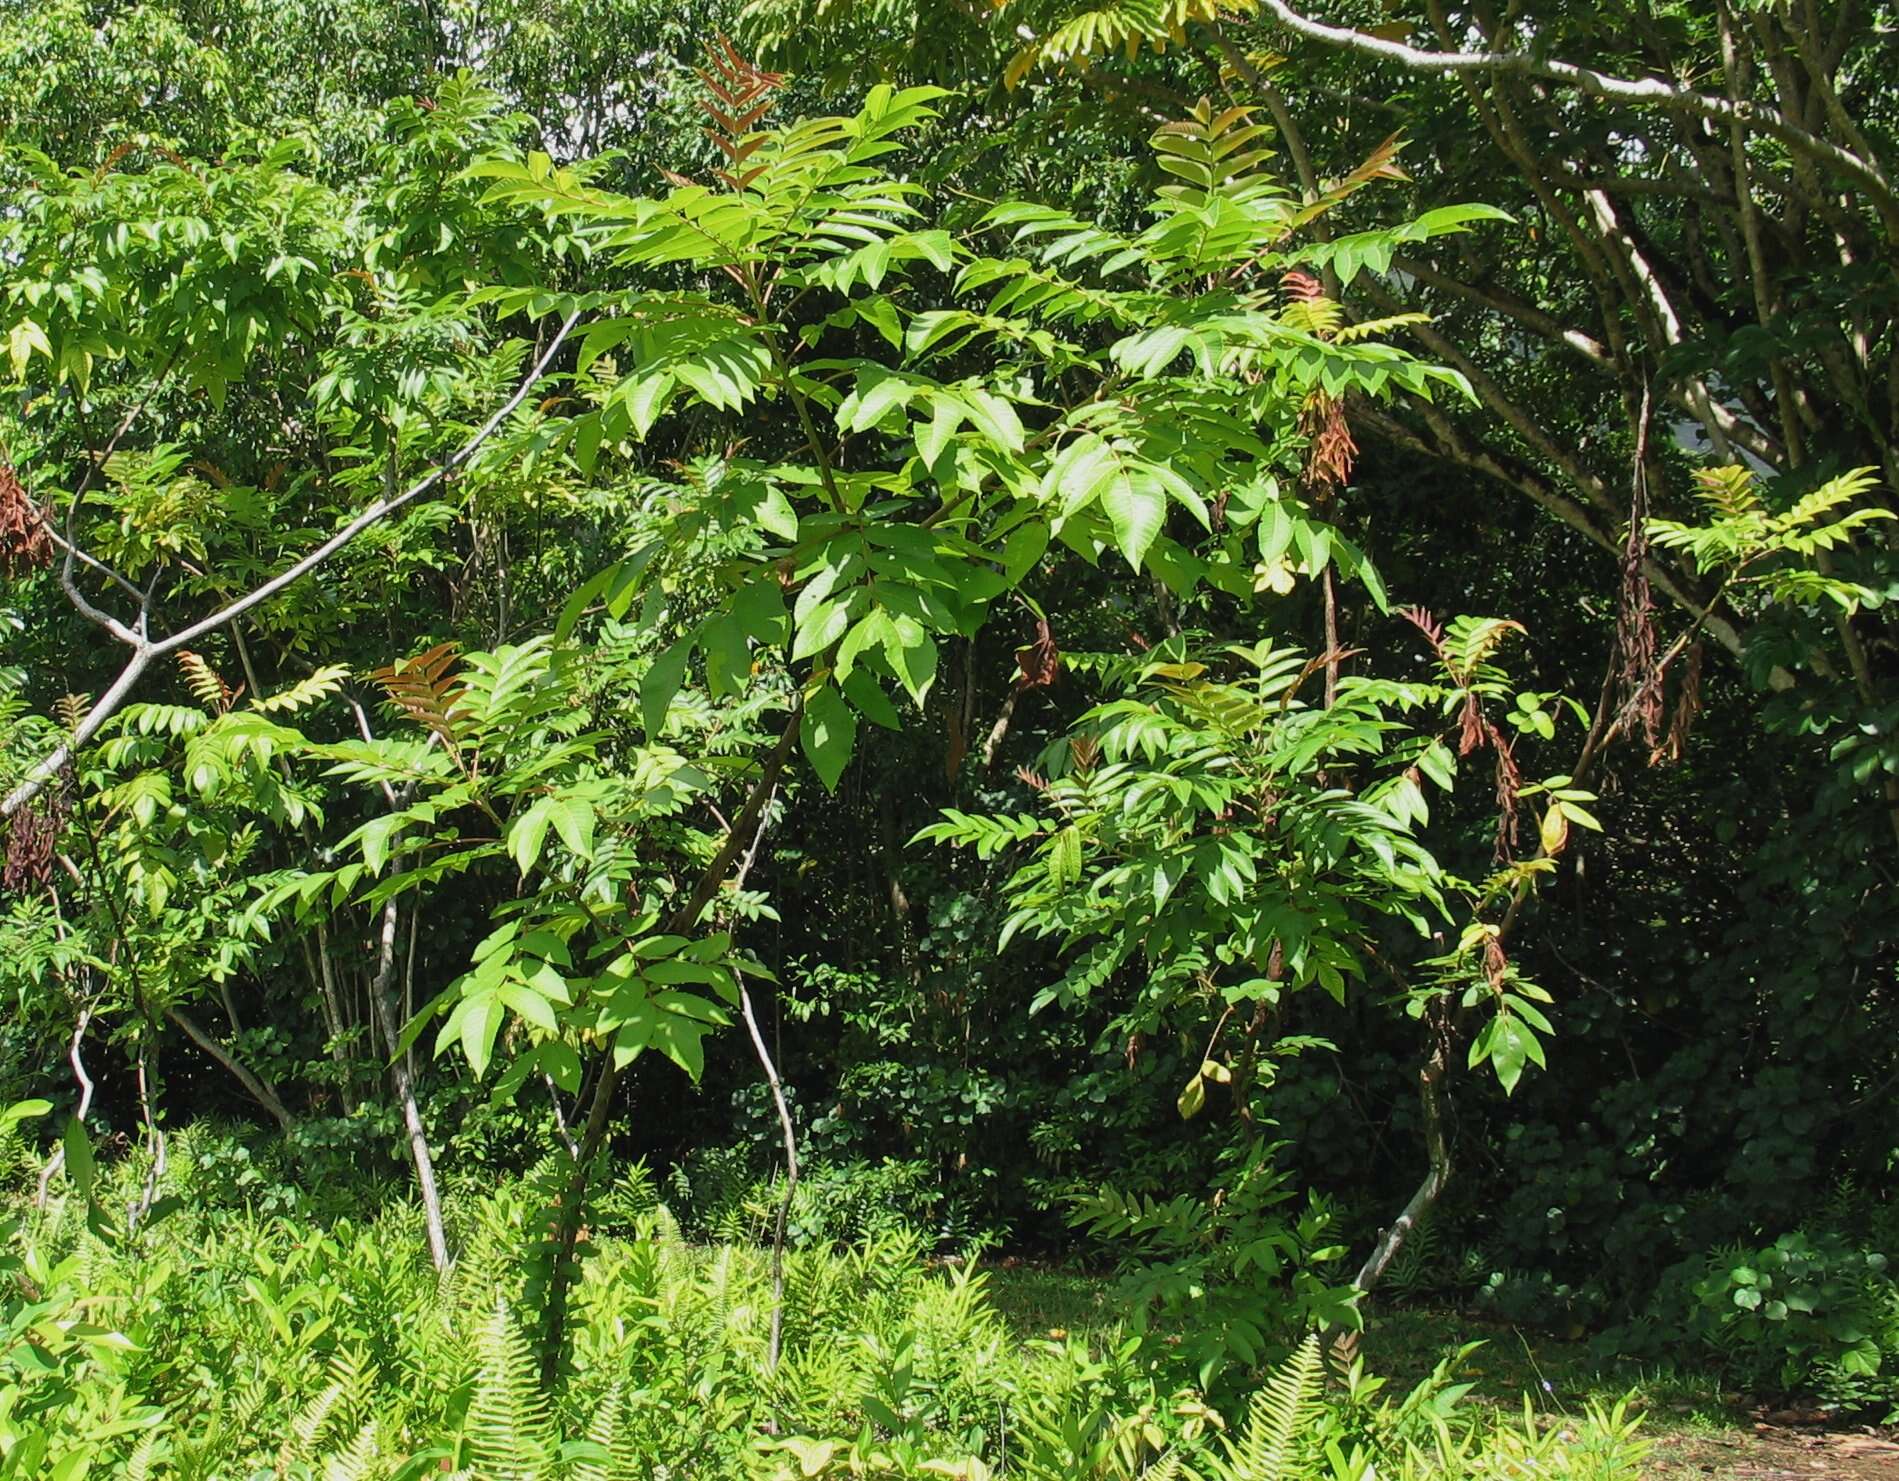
(888, 429)
(1234, 827)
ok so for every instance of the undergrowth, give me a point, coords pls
(226, 1342)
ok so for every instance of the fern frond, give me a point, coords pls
(341, 1399)
(508, 1434)
(139, 1465)
(357, 1461)
(308, 1427)
(1275, 1419)
(604, 1433)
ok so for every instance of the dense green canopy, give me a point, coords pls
(1074, 620)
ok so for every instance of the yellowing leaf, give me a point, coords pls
(1555, 830)
(1275, 575)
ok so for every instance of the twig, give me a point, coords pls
(785, 1124)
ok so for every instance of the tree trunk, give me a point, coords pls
(1437, 1177)
(599, 1111)
(382, 1002)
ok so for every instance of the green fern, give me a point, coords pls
(139, 1465)
(507, 1434)
(1282, 1411)
(342, 1398)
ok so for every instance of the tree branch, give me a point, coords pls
(1647, 91)
(145, 649)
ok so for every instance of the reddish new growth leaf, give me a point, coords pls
(1301, 287)
(1425, 623)
(741, 96)
(425, 689)
(1040, 663)
(24, 543)
(1380, 164)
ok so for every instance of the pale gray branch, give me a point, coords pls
(145, 649)
(1651, 91)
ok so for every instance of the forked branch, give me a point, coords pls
(144, 648)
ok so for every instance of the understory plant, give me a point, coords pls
(261, 1345)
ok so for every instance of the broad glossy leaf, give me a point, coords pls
(828, 730)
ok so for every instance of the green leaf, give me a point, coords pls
(1023, 549)
(562, 1064)
(527, 834)
(874, 631)
(682, 1040)
(81, 1167)
(775, 514)
(870, 701)
(1079, 473)
(759, 610)
(828, 730)
(1064, 857)
(529, 1004)
(1508, 1044)
(573, 820)
(912, 653)
(822, 626)
(878, 393)
(479, 1025)
(661, 683)
(946, 415)
(646, 400)
(21, 1110)
(995, 418)
(1136, 508)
